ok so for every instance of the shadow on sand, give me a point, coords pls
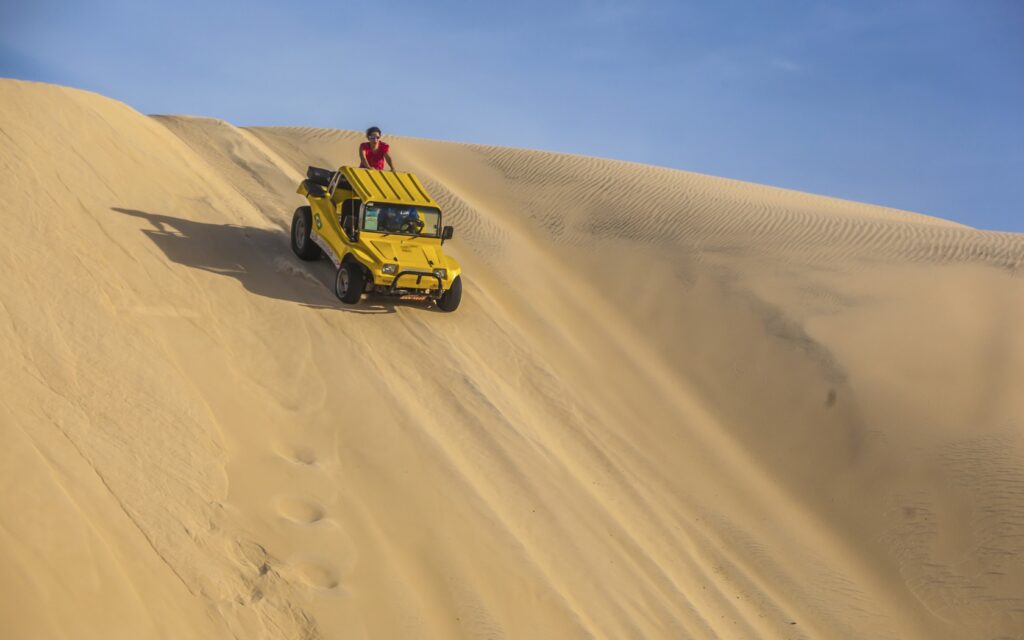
(260, 259)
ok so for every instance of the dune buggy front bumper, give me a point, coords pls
(394, 290)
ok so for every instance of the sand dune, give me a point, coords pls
(671, 405)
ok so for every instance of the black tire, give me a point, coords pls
(302, 225)
(450, 299)
(350, 282)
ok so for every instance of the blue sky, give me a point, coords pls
(907, 103)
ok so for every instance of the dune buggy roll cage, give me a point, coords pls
(335, 181)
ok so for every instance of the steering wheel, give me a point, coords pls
(412, 225)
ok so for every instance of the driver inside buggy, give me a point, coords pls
(402, 221)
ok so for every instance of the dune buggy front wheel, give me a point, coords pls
(450, 299)
(349, 283)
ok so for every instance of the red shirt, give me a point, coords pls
(375, 158)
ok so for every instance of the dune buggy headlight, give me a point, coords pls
(390, 268)
(441, 273)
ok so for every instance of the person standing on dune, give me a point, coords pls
(374, 152)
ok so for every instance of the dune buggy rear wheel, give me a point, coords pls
(302, 225)
(349, 283)
(450, 299)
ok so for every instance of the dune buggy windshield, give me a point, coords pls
(403, 219)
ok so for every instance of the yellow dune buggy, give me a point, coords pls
(382, 232)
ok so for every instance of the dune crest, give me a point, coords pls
(671, 405)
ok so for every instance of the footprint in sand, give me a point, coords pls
(317, 574)
(300, 511)
(297, 455)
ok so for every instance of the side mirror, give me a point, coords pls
(446, 233)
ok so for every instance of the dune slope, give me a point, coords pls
(671, 405)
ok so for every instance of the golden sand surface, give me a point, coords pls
(670, 406)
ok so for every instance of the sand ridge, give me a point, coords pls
(672, 405)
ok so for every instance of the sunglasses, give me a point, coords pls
(373, 137)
